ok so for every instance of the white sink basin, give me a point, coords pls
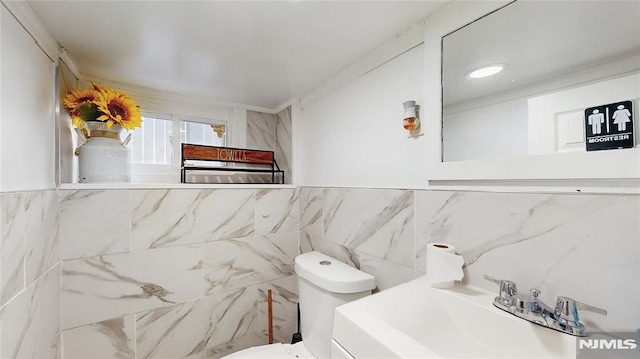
(414, 320)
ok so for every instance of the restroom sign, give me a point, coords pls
(609, 127)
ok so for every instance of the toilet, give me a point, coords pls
(324, 283)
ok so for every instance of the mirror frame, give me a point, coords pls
(609, 165)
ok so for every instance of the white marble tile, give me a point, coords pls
(388, 275)
(375, 222)
(99, 288)
(599, 266)
(306, 242)
(284, 300)
(311, 211)
(201, 355)
(189, 328)
(277, 210)
(236, 263)
(475, 222)
(584, 247)
(170, 217)
(109, 339)
(581, 246)
(233, 315)
(177, 331)
(42, 246)
(261, 131)
(428, 205)
(30, 323)
(11, 245)
(94, 223)
(310, 243)
(284, 148)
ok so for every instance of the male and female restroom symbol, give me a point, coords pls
(620, 117)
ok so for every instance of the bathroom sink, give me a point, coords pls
(414, 320)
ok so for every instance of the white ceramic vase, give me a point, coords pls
(103, 157)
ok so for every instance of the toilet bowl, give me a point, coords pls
(324, 283)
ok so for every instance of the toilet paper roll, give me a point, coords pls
(444, 266)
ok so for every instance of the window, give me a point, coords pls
(198, 133)
(154, 151)
(151, 143)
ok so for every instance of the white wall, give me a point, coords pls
(354, 136)
(495, 131)
(27, 117)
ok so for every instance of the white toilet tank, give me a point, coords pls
(323, 284)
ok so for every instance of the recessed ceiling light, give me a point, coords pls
(486, 71)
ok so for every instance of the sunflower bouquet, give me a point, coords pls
(99, 103)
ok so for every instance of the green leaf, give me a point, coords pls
(89, 111)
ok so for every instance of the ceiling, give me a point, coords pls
(539, 41)
(260, 53)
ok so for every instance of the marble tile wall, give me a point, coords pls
(577, 245)
(261, 131)
(370, 229)
(81, 237)
(272, 133)
(184, 273)
(284, 147)
(29, 275)
(582, 246)
(176, 273)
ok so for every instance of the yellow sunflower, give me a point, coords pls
(117, 107)
(74, 100)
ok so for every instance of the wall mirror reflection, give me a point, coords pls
(553, 59)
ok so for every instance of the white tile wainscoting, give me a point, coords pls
(183, 273)
(577, 245)
(30, 275)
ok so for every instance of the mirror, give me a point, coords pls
(558, 58)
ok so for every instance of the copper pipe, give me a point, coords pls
(270, 316)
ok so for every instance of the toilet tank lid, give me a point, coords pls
(332, 275)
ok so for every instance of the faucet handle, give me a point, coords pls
(507, 290)
(567, 308)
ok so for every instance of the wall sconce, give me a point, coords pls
(410, 120)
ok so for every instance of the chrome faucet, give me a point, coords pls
(564, 317)
(508, 290)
